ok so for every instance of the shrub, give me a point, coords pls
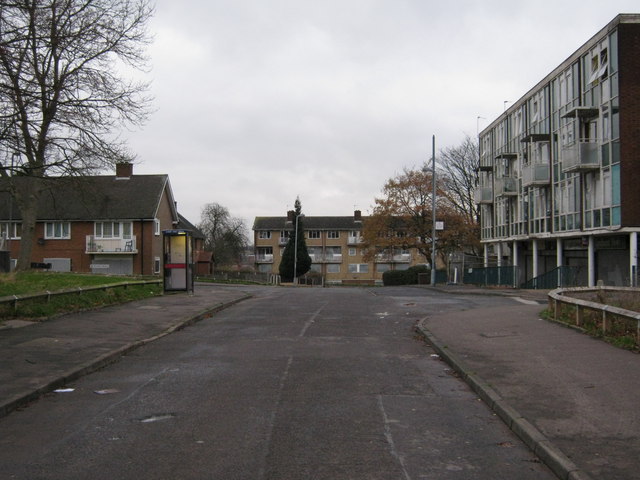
(410, 276)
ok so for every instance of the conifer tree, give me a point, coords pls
(302, 260)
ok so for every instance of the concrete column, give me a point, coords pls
(591, 255)
(499, 253)
(514, 258)
(559, 252)
(559, 255)
(633, 258)
(534, 267)
(486, 255)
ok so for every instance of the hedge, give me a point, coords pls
(409, 276)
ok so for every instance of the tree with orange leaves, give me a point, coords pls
(402, 218)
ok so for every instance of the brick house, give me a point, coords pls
(101, 224)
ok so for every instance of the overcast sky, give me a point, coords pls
(259, 101)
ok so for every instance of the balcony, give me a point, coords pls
(282, 241)
(486, 164)
(264, 258)
(110, 245)
(506, 186)
(580, 157)
(536, 174)
(354, 240)
(332, 258)
(582, 112)
(483, 195)
(387, 257)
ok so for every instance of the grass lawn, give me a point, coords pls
(40, 282)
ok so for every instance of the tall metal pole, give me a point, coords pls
(295, 253)
(433, 212)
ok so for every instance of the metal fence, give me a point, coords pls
(560, 277)
(498, 276)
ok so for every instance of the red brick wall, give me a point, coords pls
(629, 88)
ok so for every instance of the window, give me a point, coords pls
(333, 254)
(333, 268)
(314, 234)
(263, 235)
(353, 252)
(333, 234)
(10, 230)
(57, 230)
(358, 268)
(284, 236)
(383, 267)
(113, 230)
(264, 254)
(156, 224)
(156, 265)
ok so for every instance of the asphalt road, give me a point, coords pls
(293, 384)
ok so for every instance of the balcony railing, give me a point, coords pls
(580, 156)
(264, 258)
(506, 186)
(483, 195)
(110, 245)
(536, 174)
(393, 258)
(354, 240)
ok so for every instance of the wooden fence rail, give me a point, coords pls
(68, 291)
(609, 313)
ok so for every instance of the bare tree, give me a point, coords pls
(459, 167)
(63, 92)
(225, 236)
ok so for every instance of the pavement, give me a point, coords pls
(571, 398)
(45, 356)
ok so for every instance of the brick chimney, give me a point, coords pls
(357, 216)
(124, 170)
(291, 216)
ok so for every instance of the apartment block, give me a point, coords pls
(559, 170)
(335, 245)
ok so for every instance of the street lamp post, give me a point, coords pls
(295, 252)
(433, 212)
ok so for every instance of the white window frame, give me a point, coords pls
(264, 234)
(313, 234)
(156, 265)
(57, 230)
(333, 268)
(358, 268)
(353, 252)
(333, 234)
(156, 223)
(10, 230)
(117, 230)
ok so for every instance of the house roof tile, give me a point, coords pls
(94, 198)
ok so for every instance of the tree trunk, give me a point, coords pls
(26, 195)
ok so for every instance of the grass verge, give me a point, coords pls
(622, 333)
(41, 308)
